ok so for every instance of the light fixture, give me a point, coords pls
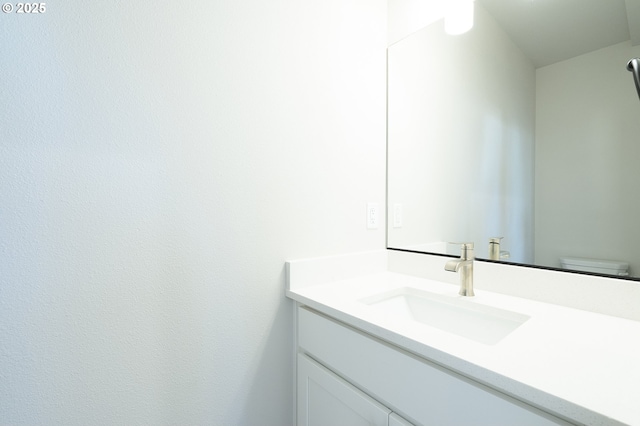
(458, 16)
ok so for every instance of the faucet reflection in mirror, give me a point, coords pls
(494, 249)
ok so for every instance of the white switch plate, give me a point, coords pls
(372, 216)
(397, 215)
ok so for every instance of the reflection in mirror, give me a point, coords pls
(490, 135)
(634, 66)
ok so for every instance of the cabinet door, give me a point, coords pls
(325, 399)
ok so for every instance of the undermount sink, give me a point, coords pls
(482, 323)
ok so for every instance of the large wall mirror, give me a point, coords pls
(527, 127)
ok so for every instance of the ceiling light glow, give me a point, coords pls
(458, 18)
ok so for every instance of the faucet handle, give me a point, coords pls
(469, 245)
(466, 250)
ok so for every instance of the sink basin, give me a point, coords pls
(484, 324)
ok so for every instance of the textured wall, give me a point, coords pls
(158, 163)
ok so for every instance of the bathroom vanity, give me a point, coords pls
(379, 346)
(419, 389)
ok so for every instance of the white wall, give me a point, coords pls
(461, 144)
(587, 153)
(404, 17)
(158, 164)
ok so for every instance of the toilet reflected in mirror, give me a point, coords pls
(597, 266)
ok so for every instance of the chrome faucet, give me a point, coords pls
(464, 266)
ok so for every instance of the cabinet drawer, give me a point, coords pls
(422, 392)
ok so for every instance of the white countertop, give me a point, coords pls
(579, 365)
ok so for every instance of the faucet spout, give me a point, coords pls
(463, 266)
(454, 265)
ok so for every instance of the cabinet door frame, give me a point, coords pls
(360, 403)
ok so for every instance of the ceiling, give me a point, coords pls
(549, 31)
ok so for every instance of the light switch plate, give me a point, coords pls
(397, 215)
(372, 216)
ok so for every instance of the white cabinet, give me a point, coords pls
(393, 380)
(325, 399)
